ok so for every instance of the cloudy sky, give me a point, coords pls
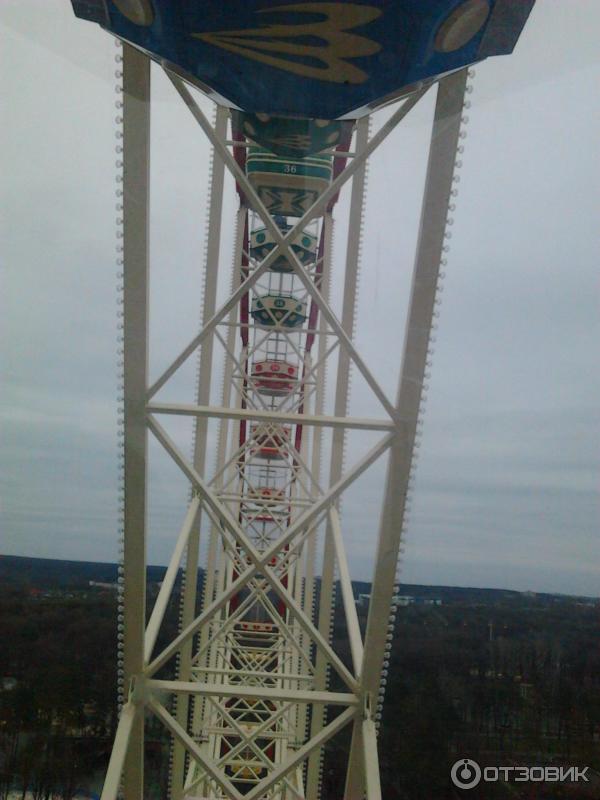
(506, 492)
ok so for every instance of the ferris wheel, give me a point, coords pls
(258, 687)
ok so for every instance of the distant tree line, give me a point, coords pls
(62, 653)
(516, 681)
(58, 721)
(513, 680)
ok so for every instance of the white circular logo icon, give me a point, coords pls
(465, 773)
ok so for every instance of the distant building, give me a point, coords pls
(101, 585)
(403, 599)
(409, 600)
(525, 690)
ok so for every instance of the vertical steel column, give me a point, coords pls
(210, 576)
(211, 266)
(304, 575)
(438, 185)
(317, 433)
(224, 428)
(342, 391)
(136, 180)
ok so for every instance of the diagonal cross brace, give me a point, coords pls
(250, 742)
(260, 560)
(303, 521)
(182, 736)
(283, 242)
(282, 246)
(300, 755)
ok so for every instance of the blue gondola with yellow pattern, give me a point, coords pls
(291, 137)
(318, 60)
(272, 310)
(288, 186)
(305, 246)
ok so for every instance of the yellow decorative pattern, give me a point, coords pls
(276, 47)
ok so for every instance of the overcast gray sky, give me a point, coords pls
(507, 486)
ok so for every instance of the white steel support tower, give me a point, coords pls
(259, 687)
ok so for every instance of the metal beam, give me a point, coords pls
(317, 445)
(118, 754)
(164, 595)
(260, 560)
(438, 185)
(136, 186)
(190, 588)
(352, 625)
(444, 141)
(304, 521)
(230, 720)
(324, 735)
(356, 170)
(234, 534)
(342, 393)
(190, 745)
(283, 241)
(275, 416)
(371, 760)
(225, 399)
(263, 692)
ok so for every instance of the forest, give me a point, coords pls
(499, 677)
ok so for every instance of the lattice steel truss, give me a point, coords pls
(254, 708)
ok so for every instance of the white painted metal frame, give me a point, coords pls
(438, 187)
(262, 570)
(136, 173)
